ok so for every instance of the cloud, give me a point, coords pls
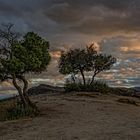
(121, 46)
(127, 51)
(100, 17)
(63, 13)
(112, 4)
(113, 24)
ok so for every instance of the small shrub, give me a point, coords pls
(19, 111)
(100, 86)
(72, 87)
(127, 101)
(123, 91)
(16, 111)
(97, 86)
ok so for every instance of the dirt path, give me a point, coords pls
(69, 117)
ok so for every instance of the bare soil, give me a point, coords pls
(78, 117)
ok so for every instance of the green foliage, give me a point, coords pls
(28, 55)
(85, 60)
(76, 60)
(67, 62)
(17, 111)
(69, 87)
(96, 86)
(103, 62)
(21, 112)
(21, 56)
(37, 52)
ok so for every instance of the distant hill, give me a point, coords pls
(137, 88)
(43, 88)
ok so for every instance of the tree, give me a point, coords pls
(85, 60)
(21, 56)
(73, 62)
(101, 62)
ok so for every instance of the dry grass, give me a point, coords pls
(13, 109)
(127, 101)
(4, 106)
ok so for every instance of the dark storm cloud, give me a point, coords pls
(112, 4)
(67, 23)
(4, 7)
(96, 16)
(74, 16)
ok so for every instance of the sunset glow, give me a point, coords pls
(112, 25)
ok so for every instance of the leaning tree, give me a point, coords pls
(19, 56)
(85, 60)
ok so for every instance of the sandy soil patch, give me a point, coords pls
(74, 117)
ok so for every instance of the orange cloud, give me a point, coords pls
(133, 45)
(55, 54)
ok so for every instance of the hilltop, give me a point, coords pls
(77, 116)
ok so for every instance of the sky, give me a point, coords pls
(113, 25)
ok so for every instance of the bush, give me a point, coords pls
(97, 86)
(19, 111)
(16, 110)
(123, 91)
(72, 87)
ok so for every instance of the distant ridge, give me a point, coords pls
(43, 88)
(137, 88)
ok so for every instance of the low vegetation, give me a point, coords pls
(13, 109)
(96, 86)
(124, 91)
(127, 101)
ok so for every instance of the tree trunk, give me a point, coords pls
(25, 90)
(23, 100)
(95, 73)
(83, 76)
(92, 80)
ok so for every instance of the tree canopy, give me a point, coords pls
(21, 56)
(85, 60)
